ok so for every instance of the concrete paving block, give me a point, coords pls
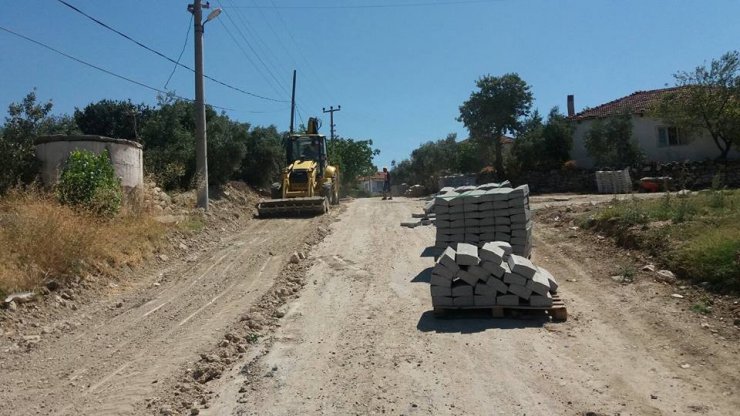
(494, 268)
(507, 300)
(500, 205)
(503, 220)
(522, 266)
(539, 284)
(501, 228)
(513, 278)
(460, 288)
(444, 201)
(521, 218)
(463, 300)
(520, 291)
(491, 252)
(518, 241)
(487, 237)
(457, 209)
(479, 272)
(457, 223)
(489, 221)
(484, 289)
(467, 255)
(442, 301)
(441, 209)
(486, 206)
(497, 285)
(498, 194)
(467, 277)
(540, 301)
(438, 280)
(502, 236)
(519, 191)
(550, 279)
(442, 223)
(520, 210)
(441, 290)
(441, 244)
(524, 233)
(483, 300)
(444, 271)
(472, 222)
(447, 259)
(444, 217)
(457, 216)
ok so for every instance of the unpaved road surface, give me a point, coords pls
(360, 338)
(113, 353)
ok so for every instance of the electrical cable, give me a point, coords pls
(160, 54)
(66, 55)
(371, 6)
(187, 36)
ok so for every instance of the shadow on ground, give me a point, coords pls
(431, 252)
(469, 321)
(425, 276)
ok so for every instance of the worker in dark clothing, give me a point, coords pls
(387, 184)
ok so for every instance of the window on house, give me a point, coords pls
(669, 136)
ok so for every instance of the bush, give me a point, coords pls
(89, 181)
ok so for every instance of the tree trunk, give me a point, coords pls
(724, 150)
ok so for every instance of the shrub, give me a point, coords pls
(89, 181)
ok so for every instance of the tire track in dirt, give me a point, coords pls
(106, 368)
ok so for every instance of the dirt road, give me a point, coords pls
(360, 338)
(109, 356)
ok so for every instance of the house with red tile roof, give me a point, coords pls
(373, 184)
(659, 141)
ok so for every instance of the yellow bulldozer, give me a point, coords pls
(308, 184)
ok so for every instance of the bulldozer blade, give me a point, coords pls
(292, 207)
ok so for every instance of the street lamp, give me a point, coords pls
(201, 155)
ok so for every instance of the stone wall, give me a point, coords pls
(688, 175)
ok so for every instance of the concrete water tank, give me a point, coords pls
(126, 155)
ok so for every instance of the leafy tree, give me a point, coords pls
(227, 146)
(354, 158)
(25, 121)
(496, 108)
(708, 98)
(610, 142)
(543, 145)
(264, 158)
(169, 144)
(119, 119)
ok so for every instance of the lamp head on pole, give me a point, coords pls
(212, 15)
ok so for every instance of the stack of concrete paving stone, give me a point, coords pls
(614, 182)
(490, 212)
(489, 276)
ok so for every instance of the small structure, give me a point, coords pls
(373, 184)
(126, 156)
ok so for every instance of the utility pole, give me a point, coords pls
(292, 105)
(331, 111)
(201, 156)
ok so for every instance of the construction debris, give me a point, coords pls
(489, 276)
(489, 212)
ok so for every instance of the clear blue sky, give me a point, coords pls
(399, 73)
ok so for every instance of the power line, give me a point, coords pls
(370, 6)
(160, 54)
(66, 55)
(187, 36)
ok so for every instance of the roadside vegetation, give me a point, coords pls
(696, 236)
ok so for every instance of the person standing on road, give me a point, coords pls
(387, 184)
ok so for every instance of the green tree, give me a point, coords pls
(543, 145)
(119, 119)
(354, 158)
(227, 146)
(265, 157)
(707, 98)
(610, 143)
(496, 108)
(25, 121)
(169, 144)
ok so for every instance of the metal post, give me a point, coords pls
(331, 111)
(201, 152)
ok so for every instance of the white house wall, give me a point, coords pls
(645, 131)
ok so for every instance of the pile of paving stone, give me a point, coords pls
(490, 212)
(489, 276)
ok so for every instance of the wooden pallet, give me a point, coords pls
(558, 311)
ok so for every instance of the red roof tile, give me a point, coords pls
(635, 103)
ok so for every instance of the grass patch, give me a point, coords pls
(696, 236)
(42, 239)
